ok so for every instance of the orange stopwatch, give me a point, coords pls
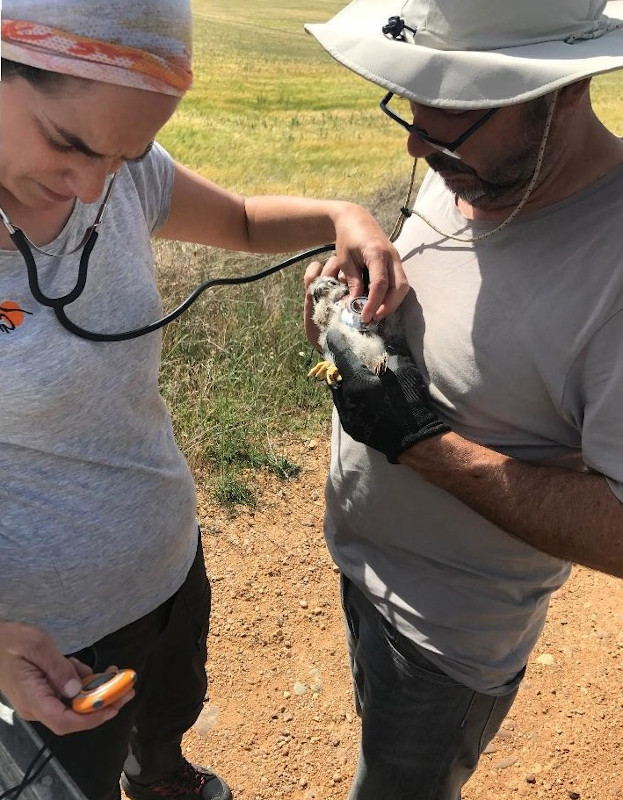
(102, 689)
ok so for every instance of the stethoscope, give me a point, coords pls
(58, 304)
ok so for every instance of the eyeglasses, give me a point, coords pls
(448, 148)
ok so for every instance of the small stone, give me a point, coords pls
(207, 720)
(546, 660)
(315, 684)
(303, 603)
(574, 795)
(530, 778)
(505, 763)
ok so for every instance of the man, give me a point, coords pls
(466, 478)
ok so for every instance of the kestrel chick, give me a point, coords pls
(330, 311)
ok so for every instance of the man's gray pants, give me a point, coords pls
(422, 732)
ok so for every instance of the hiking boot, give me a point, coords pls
(188, 783)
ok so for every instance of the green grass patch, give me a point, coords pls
(271, 112)
(235, 369)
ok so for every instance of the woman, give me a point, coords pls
(100, 560)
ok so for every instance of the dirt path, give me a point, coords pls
(280, 721)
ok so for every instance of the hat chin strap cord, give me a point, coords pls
(406, 211)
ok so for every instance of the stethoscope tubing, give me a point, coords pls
(58, 304)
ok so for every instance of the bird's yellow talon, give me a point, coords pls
(317, 371)
(325, 371)
(333, 376)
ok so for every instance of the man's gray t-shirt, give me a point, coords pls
(521, 336)
(98, 512)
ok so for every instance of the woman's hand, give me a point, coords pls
(360, 243)
(204, 213)
(39, 681)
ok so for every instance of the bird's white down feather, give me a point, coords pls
(327, 296)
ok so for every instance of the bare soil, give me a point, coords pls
(280, 719)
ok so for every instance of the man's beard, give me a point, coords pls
(506, 182)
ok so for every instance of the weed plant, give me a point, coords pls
(234, 369)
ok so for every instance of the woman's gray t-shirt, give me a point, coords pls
(97, 504)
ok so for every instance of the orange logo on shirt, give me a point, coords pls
(11, 315)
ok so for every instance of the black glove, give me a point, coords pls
(388, 412)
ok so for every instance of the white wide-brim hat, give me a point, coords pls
(466, 54)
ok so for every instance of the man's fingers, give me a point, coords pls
(314, 269)
(331, 267)
(311, 330)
